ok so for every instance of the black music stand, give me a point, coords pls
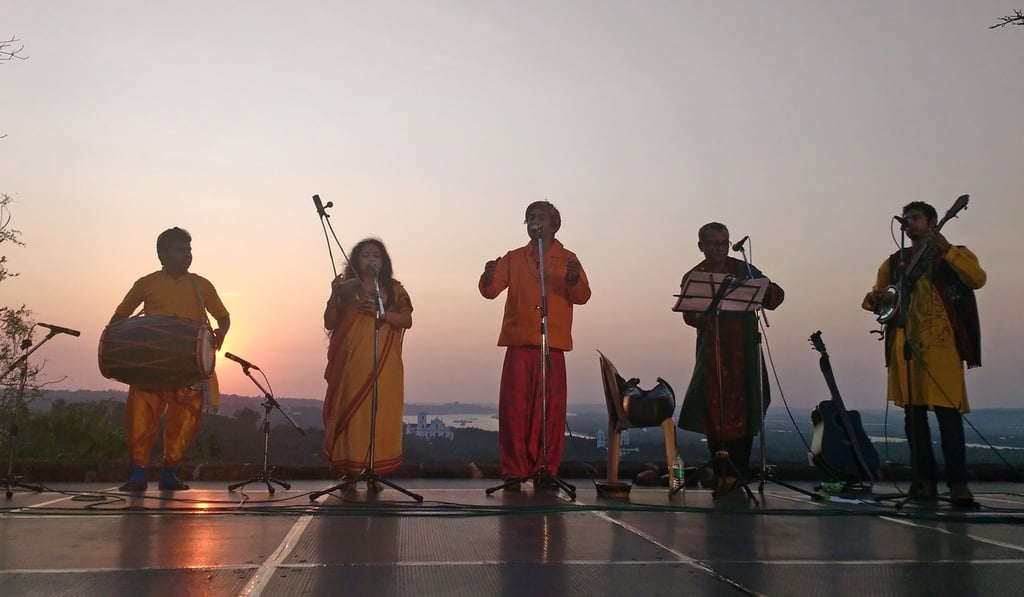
(268, 404)
(709, 294)
(12, 481)
(542, 476)
(368, 474)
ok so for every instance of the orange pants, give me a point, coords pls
(181, 425)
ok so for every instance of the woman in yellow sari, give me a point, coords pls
(350, 318)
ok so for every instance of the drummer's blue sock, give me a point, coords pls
(169, 474)
(138, 474)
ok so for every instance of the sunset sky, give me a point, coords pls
(431, 125)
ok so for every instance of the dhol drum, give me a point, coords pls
(157, 352)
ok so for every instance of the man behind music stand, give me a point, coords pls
(725, 408)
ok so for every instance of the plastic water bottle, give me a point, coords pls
(678, 474)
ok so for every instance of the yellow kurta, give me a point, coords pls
(937, 374)
(162, 294)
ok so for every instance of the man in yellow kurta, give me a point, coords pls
(173, 292)
(941, 322)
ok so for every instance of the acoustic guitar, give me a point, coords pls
(840, 447)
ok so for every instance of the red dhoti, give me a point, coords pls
(520, 412)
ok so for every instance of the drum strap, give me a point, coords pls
(209, 405)
(199, 298)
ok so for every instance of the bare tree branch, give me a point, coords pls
(7, 234)
(6, 51)
(1017, 18)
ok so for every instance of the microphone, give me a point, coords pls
(244, 363)
(375, 268)
(739, 245)
(320, 207)
(904, 224)
(56, 329)
(535, 230)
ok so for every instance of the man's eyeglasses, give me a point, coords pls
(714, 243)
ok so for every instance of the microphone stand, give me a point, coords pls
(12, 481)
(722, 454)
(766, 473)
(268, 404)
(542, 476)
(325, 223)
(368, 474)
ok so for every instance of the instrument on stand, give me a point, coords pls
(840, 447)
(887, 308)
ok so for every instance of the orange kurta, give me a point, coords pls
(347, 404)
(518, 272)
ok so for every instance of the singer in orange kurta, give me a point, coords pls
(172, 292)
(351, 315)
(520, 396)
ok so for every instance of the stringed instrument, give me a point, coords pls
(887, 308)
(840, 447)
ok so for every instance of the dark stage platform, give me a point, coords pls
(82, 540)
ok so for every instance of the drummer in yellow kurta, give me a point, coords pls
(173, 292)
(943, 328)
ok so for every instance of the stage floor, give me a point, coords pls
(88, 539)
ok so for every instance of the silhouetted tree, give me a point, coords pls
(11, 49)
(18, 382)
(1017, 18)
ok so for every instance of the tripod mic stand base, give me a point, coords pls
(724, 486)
(263, 476)
(12, 483)
(767, 477)
(371, 479)
(542, 479)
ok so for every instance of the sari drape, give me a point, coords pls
(348, 402)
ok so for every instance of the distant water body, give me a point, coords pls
(476, 421)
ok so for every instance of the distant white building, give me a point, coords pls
(602, 442)
(435, 428)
